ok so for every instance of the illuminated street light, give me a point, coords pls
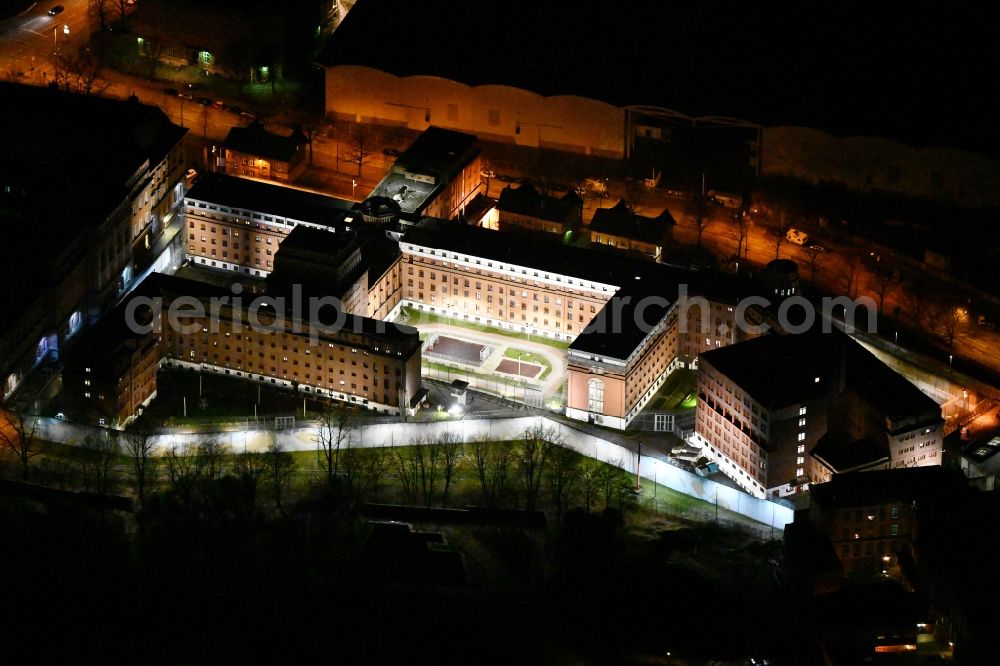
(65, 28)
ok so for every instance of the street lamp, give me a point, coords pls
(950, 357)
(354, 186)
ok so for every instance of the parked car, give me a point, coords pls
(218, 104)
(172, 92)
(58, 9)
(204, 101)
(185, 95)
(797, 237)
(249, 115)
(726, 199)
(817, 248)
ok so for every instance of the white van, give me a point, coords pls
(797, 237)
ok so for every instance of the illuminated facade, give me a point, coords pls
(363, 363)
(782, 412)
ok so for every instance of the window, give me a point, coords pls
(802, 411)
(595, 395)
(799, 472)
(802, 423)
(801, 448)
(802, 436)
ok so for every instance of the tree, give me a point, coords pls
(333, 431)
(139, 447)
(882, 286)
(19, 433)
(814, 256)
(99, 462)
(698, 210)
(852, 274)
(101, 9)
(492, 462)
(537, 443)
(122, 9)
(209, 459)
(78, 72)
(181, 472)
(590, 482)
(562, 476)
(785, 222)
(742, 234)
(406, 472)
(451, 448)
(250, 467)
(948, 318)
(280, 468)
(372, 467)
(361, 151)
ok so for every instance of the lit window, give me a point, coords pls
(802, 423)
(595, 395)
(816, 380)
(802, 411)
(802, 436)
(799, 472)
(801, 448)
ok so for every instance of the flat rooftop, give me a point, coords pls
(261, 197)
(779, 370)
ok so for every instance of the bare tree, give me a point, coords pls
(853, 273)
(101, 9)
(882, 286)
(19, 433)
(590, 482)
(562, 475)
(698, 210)
(407, 472)
(181, 471)
(122, 9)
(949, 318)
(785, 222)
(814, 256)
(99, 462)
(537, 443)
(492, 461)
(372, 467)
(452, 449)
(333, 431)
(250, 467)
(742, 234)
(361, 151)
(210, 459)
(78, 72)
(139, 447)
(610, 480)
(280, 468)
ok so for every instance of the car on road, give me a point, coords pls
(185, 95)
(218, 104)
(204, 101)
(797, 237)
(58, 9)
(682, 195)
(817, 248)
(726, 199)
(172, 92)
(249, 115)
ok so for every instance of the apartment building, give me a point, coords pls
(622, 228)
(772, 409)
(524, 207)
(98, 178)
(362, 362)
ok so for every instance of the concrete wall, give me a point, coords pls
(394, 434)
(869, 163)
(492, 112)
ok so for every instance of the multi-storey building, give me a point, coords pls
(239, 225)
(357, 361)
(254, 152)
(235, 224)
(524, 207)
(100, 227)
(764, 406)
(870, 518)
(623, 315)
(437, 176)
(622, 228)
